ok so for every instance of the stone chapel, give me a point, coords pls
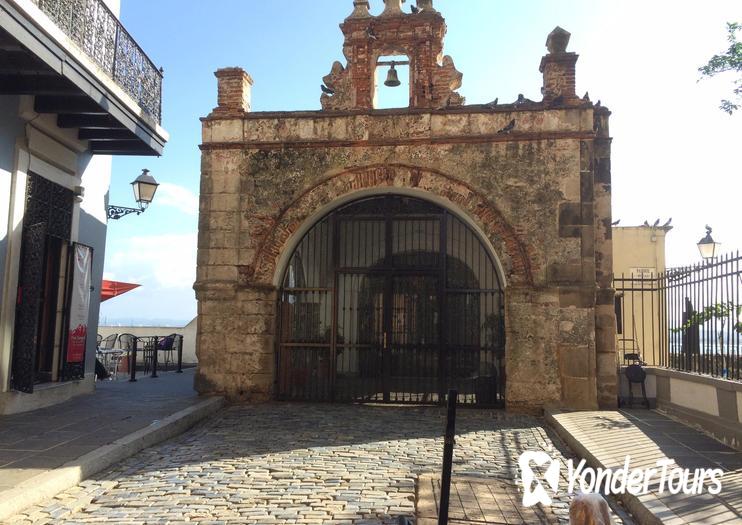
(355, 254)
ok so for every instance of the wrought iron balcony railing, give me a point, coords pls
(100, 35)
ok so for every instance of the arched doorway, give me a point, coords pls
(391, 299)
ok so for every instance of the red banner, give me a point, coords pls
(79, 303)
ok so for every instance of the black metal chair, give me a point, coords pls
(635, 374)
(108, 355)
(108, 343)
(167, 345)
(128, 344)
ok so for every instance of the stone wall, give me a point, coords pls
(533, 177)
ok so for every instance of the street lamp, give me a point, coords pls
(144, 188)
(708, 247)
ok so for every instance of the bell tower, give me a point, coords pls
(418, 35)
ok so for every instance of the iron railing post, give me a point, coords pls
(155, 344)
(180, 356)
(115, 54)
(133, 361)
(448, 444)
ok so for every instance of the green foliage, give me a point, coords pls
(730, 60)
(721, 311)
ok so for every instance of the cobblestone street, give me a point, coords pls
(293, 463)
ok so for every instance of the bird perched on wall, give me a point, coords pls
(415, 10)
(510, 127)
(370, 33)
(646, 223)
(521, 99)
(615, 223)
(667, 224)
(327, 90)
(656, 223)
(492, 104)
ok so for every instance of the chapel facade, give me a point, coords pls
(354, 254)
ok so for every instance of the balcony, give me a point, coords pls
(80, 64)
(99, 34)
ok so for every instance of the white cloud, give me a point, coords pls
(163, 261)
(179, 197)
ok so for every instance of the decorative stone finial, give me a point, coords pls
(557, 40)
(361, 9)
(426, 5)
(393, 7)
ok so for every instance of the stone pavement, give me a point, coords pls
(606, 438)
(32, 442)
(299, 463)
(53, 449)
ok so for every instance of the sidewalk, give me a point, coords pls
(48, 450)
(605, 438)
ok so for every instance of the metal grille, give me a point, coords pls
(99, 34)
(686, 318)
(27, 314)
(391, 299)
(48, 213)
(49, 203)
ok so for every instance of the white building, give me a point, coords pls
(75, 88)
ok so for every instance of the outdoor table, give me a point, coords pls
(151, 346)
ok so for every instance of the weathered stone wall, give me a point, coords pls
(531, 192)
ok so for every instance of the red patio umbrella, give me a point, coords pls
(111, 289)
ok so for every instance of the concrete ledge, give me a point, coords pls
(717, 382)
(50, 483)
(44, 396)
(647, 509)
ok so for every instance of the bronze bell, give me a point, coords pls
(392, 80)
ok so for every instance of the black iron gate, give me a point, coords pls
(391, 299)
(47, 223)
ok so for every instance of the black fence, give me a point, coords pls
(100, 35)
(686, 318)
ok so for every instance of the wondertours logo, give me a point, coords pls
(541, 475)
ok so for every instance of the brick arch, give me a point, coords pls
(278, 233)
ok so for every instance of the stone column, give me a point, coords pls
(558, 68)
(605, 313)
(236, 341)
(531, 349)
(235, 87)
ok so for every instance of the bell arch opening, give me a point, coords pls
(391, 298)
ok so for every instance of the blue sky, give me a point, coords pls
(674, 153)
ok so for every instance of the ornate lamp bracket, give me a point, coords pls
(116, 212)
